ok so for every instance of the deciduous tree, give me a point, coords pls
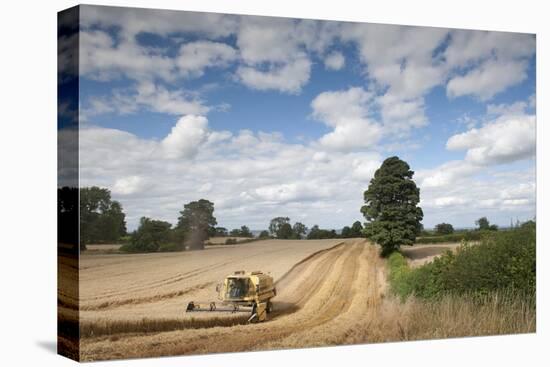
(101, 219)
(276, 224)
(444, 228)
(299, 230)
(150, 235)
(484, 225)
(391, 206)
(285, 231)
(245, 232)
(263, 234)
(346, 232)
(221, 231)
(196, 222)
(357, 229)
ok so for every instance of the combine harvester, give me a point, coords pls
(242, 292)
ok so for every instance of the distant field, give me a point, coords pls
(101, 248)
(221, 240)
(418, 255)
(106, 247)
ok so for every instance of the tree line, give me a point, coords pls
(196, 223)
(281, 228)
(244, 231)
(393, 218)
(441, 229)
(102, 220)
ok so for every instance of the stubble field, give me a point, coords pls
(320, 287)
(329, 292)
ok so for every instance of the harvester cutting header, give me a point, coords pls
(242, 292)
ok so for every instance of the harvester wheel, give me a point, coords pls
(269, 308)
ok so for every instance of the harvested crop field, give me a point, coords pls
(329, 292)
(137, 286)
(419, 255)
(323, 287)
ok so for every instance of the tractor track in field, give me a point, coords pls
(319, 302)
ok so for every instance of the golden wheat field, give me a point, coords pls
(329, 292)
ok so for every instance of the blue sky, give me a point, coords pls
(271, 116)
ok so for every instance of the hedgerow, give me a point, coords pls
(503, 260)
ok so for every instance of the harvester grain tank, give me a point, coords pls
(241, 292)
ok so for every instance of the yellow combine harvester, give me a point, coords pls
(242, 292)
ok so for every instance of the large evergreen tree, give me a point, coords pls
(391, 206)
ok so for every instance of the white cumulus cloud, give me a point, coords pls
(249, 176)
(507, 139)
(145, 95)
(129, 185)
(194, 57)
(483, 64)
(286, 77)
(446, 174)
(335, 61)
(467, 48)
(347, 112)
(185, 138)
(488, 79)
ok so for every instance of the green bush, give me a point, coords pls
(263, 234)
(171, 247)
(128, 247)
(231, 241)
(150, 236)
(502, 261)
(506, 259)
(125, 239)
(444, 228)
(399, 274)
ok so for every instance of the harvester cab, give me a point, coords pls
(242, 292)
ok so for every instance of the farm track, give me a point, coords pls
(321, 300)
